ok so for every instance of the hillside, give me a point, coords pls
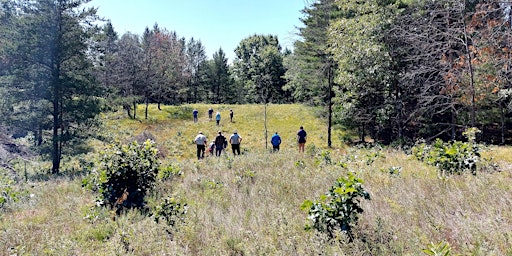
(174, 129)
(251, 204)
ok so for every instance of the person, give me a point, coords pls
(210, 113)
(217, 118)
(301, 138)
(275, 141)
(195, 112)
(231, 115)
(211, 148)
(235, 141)
(200, 141)
(220, 143)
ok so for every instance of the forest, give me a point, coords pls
(391, 71)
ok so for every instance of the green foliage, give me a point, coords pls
(8, 190)
(124, 174)
(170, 172)
(338, 209)
(171, 210)
(453, 157)
(324, 157)
(440, 249)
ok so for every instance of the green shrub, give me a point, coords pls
(440, 249)
(455, 157)
(339, 209)
(8, 191)
(171, 210)
(170, 172)
(124, 175)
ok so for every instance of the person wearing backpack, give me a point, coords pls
(275, 141)
(235, 141)
(220, 143)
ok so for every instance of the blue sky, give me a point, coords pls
(217, 23)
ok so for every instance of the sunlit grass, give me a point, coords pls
(250, 204)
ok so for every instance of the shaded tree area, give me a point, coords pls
(422, 69)
(48, 84)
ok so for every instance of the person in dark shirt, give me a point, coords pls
(210, 113)
(301, 139)
(220, 143)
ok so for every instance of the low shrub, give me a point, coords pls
(454, 157)
(338, 210)
(124, 175)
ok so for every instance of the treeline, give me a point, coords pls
(399, 70)
(392, 70)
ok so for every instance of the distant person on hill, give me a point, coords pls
(235, 141)
(275, 141)
(194, 113)
(217, 118)
(231, 115)
(220, 143)
(200, 141)
(210, 113)
(301, 139)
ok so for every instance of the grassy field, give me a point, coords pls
(250, 204)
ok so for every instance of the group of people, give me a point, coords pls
(195, 113)
(220, 143)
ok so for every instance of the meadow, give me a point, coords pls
(251, 204)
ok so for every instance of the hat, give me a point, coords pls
(200, 132)
(234, 131)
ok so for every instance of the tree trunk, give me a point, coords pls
(502, 110)
(134, 109)
(329, 125)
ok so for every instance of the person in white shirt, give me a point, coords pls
(235, 140)
(200, 141)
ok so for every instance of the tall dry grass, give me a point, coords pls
(250, 204)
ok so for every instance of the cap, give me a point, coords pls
(200, 132)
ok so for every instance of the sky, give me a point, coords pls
(216, 23)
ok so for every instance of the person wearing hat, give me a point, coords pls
(235, 140)
(220, 143)
(200, 141)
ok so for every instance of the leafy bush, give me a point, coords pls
(170, 172)
(8, 192)
(124, 175)
(171, 210)
(455, 157)
(440, 249)
(338, 209)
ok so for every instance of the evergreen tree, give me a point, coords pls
(311, 68)
(51, 74)
(221, 85)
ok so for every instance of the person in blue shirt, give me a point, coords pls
(301, 139)
(217, 118)
(195, 115)
(275, 141)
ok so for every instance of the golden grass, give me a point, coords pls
(250, 204)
